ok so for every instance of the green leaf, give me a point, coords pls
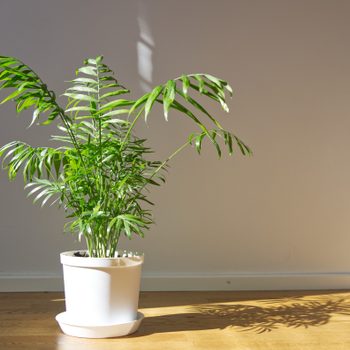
(116, 103)
(169, 97)
(25, 104)
(187, 112)
(229, 142)
(82, 88)
(7, 61)
(228, 88)
(215, 80)
(88, 70)
(116, 112)
(78, 109)
(11, 96)
(30, 184)
(84, 80)
(42, 193)
(4, 75)
(46, 199)
(111, 224)
(185, 84)
(90, 61)
(35, 189)
(198, 142)
(245, 150)
(57, 163)
(105, 78)
(26, 175)
(152, 98)
(116, 121)
(220, 83)
(139, 102)
(7, 146)
(127, 229)
(52, 116)
(8, 154)
(114, 93)
(220, 95)
(35, 117)
(200, 82)
(80, 97)
(201, 108)
(99, 59)
(111, 85)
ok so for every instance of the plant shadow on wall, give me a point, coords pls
(259, 317)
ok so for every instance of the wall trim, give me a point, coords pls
(192, 282)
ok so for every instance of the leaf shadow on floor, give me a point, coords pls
(264, 316)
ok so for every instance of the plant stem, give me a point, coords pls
(98, 115)
(76, 145)
(166, 161)
(170, 158)
(132, 126)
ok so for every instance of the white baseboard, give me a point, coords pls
(272, 281)
(152, 282)
(30, 283)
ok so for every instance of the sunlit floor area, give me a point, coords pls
(192, 320)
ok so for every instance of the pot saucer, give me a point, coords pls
(105, 331)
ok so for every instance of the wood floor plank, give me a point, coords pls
(306, 320)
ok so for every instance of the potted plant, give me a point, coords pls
(99, 175)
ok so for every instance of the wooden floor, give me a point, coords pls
(192, 320)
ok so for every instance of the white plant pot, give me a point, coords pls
(101, 294)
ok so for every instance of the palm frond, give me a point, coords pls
(28, 90)
(175, 94)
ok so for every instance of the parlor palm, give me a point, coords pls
(100, 172)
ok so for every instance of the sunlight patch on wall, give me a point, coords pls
(145, 47)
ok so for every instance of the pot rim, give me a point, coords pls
(68, 258)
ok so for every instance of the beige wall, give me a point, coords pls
(286, 210)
